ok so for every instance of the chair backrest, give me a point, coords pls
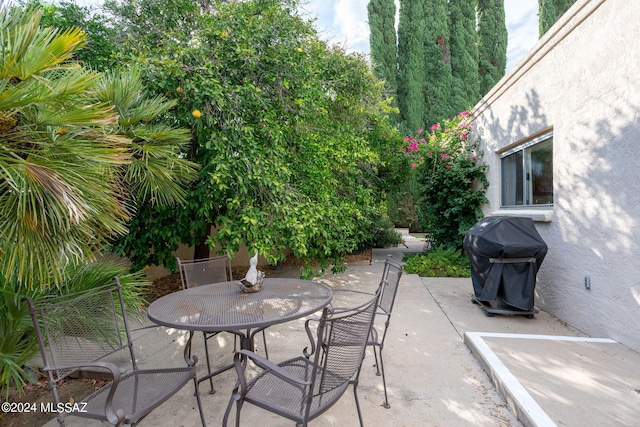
(204, 271)
(390, 280)
(338, 360)
(80, 328)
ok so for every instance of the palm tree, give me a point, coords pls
(77, 151)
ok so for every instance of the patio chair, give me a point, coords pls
(389, 287)
(89, 331)
(390, 280)
(303, 388)
(201, 272)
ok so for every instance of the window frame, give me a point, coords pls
(523, 182)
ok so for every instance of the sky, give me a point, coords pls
(345, 22)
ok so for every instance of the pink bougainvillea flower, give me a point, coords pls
(435, 126)
(408, 138)
(430, 153)
(413, 165)
(444, 155)
(474, 159)
(463, 136)
(422, 141)
(448, 166)
(419, 131)
(463, 114)
(413, 147)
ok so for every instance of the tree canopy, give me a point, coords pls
(383, 44)
(411, 65)
(492, 43)
(282, 126)
(465, 79)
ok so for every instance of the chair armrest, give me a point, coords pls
(241, 390)
(114, 417)
(352, 291)
(190, 359)
(268, 365)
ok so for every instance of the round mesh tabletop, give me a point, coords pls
(224, 307)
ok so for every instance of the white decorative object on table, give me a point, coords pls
(252, 281)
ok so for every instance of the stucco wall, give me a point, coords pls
(239, 259)
(582, 80)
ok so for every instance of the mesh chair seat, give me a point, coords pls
(271, 391)
(138, 392)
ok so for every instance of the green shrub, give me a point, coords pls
(18, 342)
(438, 262)
(383, 235)
(450, 179)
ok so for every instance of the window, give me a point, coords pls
(527, 173)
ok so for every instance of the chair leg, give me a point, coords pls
(264, 340)
(206, 353)
(384, 381)
(375, 355)
(355, 394)
(238, 407)
(225, 419)
(227, 412)
(60, 418)
(195, 382)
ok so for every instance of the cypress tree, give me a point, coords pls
(383, 43)
(437, 57)
(492, 43)
(411, 65)
(550, 11)
(547, 14)
(465, 82)
(563, 6)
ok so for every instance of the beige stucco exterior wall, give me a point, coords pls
(582, 80)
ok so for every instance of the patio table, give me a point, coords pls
(224, 307)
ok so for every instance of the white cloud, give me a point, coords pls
(322, 11)
(351, 19)
(522, 24)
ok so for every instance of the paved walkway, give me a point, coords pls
(447, 365)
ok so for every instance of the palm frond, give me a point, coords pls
(125, 91)
(29, 49)
(173, 140)
(17, 29)
(158, 169)
(21, 94)
(58, 205)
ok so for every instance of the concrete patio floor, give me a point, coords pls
(447, 364)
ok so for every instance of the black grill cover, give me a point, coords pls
(504, 238)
